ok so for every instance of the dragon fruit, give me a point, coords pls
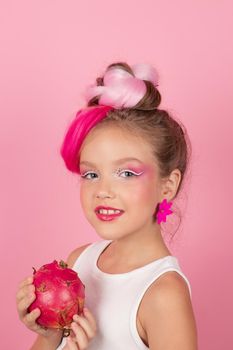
(60, 294)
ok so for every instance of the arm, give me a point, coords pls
(45, 343)
(169, 319)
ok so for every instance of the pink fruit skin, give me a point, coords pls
(59, 295)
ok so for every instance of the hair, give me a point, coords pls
(167, 136)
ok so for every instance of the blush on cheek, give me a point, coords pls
(146, 187)
(141, 198)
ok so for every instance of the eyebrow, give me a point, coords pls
(118, 161)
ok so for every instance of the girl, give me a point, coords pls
(131, 158)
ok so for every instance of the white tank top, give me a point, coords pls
(114, 299)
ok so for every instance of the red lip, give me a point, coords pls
(110, 217)
(107, 208)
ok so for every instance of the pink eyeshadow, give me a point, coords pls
(139, 169)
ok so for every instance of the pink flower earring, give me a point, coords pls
(164, 210)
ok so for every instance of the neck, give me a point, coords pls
(138, 246)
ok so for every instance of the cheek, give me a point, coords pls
(85, 194)
(141, 192)
(145, 190)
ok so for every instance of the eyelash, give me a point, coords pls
(84, 176)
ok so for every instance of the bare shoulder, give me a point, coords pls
(73, 256)
(168, 317)
(170, 282)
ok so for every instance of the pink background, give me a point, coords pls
(50, 50)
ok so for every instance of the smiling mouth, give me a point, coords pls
(108, 217)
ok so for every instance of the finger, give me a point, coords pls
(25, 291)
(30, 318)
(30, 321)
(89, 316)
(25, 281)
(86, 325)
(80, 336)
(24, 304)
(71, 344)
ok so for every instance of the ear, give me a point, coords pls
(170, 185)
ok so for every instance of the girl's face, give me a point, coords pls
(106, 179)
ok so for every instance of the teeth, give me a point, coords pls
(108, 212)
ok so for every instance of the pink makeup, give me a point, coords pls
(141, 169)
(138, 170)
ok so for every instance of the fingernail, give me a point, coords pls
(85, 309)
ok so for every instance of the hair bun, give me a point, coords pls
(123, 86)
(147, 72)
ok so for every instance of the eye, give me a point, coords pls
(84, 176)
(129, 172)
(118, 172)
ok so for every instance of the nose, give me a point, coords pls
(103, 190)
(103, 195)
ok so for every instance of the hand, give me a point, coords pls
(83, 330)
(24, 298)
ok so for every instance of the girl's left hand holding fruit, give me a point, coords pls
(83, 330)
